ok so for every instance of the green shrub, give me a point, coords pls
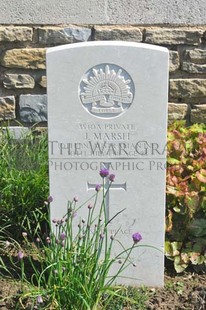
(186, 198)
(23, 181)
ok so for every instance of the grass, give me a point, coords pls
(74, 260)
(23, 181)
(81, 280)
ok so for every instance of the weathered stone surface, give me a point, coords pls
(7, 108)
(60, 35)
(187, 88)
(174, 61)
(144, 12)
(177, 111)
(198, 114)
(18, 81)
(96, 71)
(26, 58)
(193, 68)
(118, 33)
(33, 108)
(43, 81)
(196, 55)
(172, 36)
(15, 34)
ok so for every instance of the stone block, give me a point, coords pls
(196, 55)
(198, 114)
(26, 58)
(187, 88)
(118, 33)
(174, 61)
(170, 36)
(15, 34)
(43, 81)
(11, 81)
(60, 35)
(7, 108)
(193, 68)
(177, 111)
(33, 108)
(17, 132)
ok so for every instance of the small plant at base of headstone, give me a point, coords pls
(75, 259)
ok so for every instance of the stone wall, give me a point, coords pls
(23, 71)
(111, 12)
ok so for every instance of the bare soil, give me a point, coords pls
(185, 292)
(181, 292)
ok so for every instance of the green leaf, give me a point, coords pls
(201, 175)
(197, 227)
(179, 264)
(192, 202)
(173, 161)
(189, 167)
(172, 248)
(197, 259)
(180, 209)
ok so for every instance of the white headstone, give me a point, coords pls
(107, 106)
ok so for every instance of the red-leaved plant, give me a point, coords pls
(186, 195)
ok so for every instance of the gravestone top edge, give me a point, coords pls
(107, 44)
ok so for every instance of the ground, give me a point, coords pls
(185, 292)
(181, 292)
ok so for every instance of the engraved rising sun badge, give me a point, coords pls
(106, 90)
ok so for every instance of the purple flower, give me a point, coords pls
(136, 237)
(20, 255)
(50, 199)
(74, 214)
(75, 199)
(80, 237)
(39, 299)
(112, 177)
(54, 221)
(7, 243)
(101, 236)
(104, 172)
(48, 240)
(98, 187)
(69, 210)
(62, 236)
(89, 206)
